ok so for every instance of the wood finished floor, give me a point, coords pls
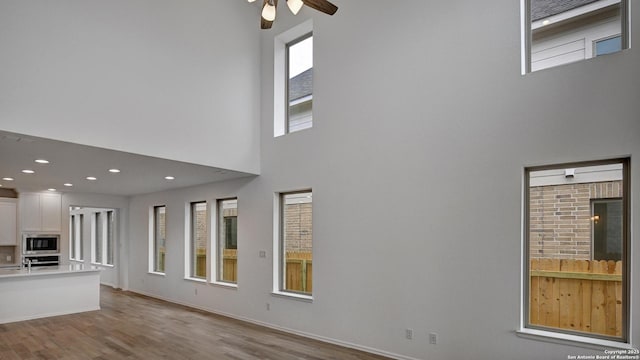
(132, 326)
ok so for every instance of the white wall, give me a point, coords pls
(168, 78)
(425, 101)
(403, 111)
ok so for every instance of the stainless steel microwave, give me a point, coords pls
(40, 244)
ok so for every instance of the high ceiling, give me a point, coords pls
(72, 163)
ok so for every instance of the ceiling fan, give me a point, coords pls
(269, 9)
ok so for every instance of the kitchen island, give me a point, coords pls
(48, 291)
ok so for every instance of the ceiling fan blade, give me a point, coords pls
(266, 24)
(321, 5)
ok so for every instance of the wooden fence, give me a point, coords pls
(299, 271)
(579, 295)
(229, 265)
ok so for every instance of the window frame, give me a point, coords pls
(528, 330)
(595, 42)
(219, 241)
(527, 33)
(97, 233)
(190, 248)
(153, 229)
(280, 76)
(592, 205)
(279, 271)
(110, 240)
(287, 81)
(73, 239)
(79, 246)
(106, 219)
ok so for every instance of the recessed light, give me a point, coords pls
(169, 178)
(42, 161)
(92, 178)
(52, 189)
(0, 185)
(546, 22)
(7, 179)
(68, 184)
(115, 171)
(27, 171)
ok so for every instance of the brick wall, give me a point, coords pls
(161, 227)
(560, 218)
(298, 227)
(201, 227)
(200, 231)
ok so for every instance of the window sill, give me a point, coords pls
(199, 280)
(294, 296)
(573, 340)
(156, 273)
(223, 284)
(103, 265)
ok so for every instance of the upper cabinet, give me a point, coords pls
(40, 212)
(8, 222)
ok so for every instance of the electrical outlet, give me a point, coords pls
(268, 306)
(9, 258)
(433, 338)
(408, 333)
(262, 254)
(195, 291)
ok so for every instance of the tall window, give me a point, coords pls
(110, 236)
(72, 237)
(98, 238)
(559, 32)
(296, 242)
(80, 237)
(300, 83)
(293, 79)
(577, 242)
(103, 237)
(159, 238)
(199, 239)
(227, 241)
(76, 238)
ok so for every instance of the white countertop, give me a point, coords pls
(47, 270)
(5, 266)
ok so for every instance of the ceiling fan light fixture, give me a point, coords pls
(251, 0)
(295, 6)
(269, 11)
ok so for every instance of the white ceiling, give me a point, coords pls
(72, 163)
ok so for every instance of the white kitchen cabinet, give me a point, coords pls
(40, 212)
(30, 218)
(50, 207)
(8, 222)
